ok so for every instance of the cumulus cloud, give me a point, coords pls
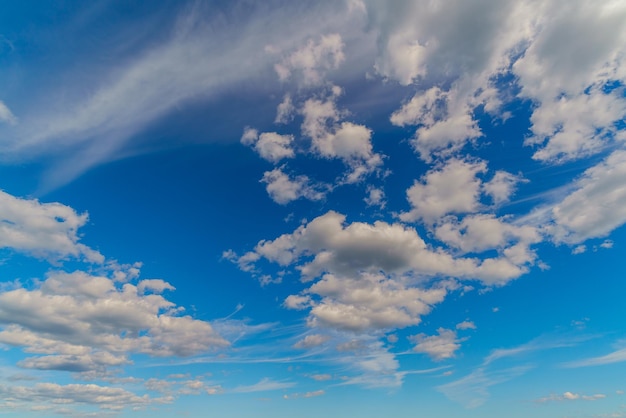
(313, 60)
(45, 230)
(467, 47)
(438, 347)
(333, 138)
(367, 276)
(452, 188)
(597, 205)
(501, 187)
(375, 197)
(283, 189)
(481, 232)
(79, 322)
(270, 146)
(107, 398)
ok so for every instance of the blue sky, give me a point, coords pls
(346, 208)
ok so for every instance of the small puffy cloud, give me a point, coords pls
(46, 230)
(375, 197)
(579, 249)
(311, 341)
(501, 187)
(332, 138)
(445, 123)
(607, 244)
(465, 325)
(270, 146)
(437, 347)
(313, 60)
(591, 211)
(452, 188)
(283, 189)
(6, 115)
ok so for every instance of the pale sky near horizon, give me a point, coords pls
(334, 208)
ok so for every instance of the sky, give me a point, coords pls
(334, 208)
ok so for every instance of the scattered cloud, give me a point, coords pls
(44, 230)
(569, 396)
(437, 347)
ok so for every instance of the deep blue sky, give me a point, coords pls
(337, 209)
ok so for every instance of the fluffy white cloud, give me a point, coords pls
(48, 394)
(445, 123)
(481, 232)
(78, 322)
(597, 206)
(284, 189)
(562, 53)
(502, 186)
(438, 347)
(375, 197)
(270, 146)
(332, 138)
(465, 325)
(452, 188)
(370, 302)
(369, 275)
(46, 230)
(574, 52)
(313, 60)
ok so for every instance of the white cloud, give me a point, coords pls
(78, 322)
(481, 232)
(579, 249)
(311, 341)
(445, 124)
(375, 197)
(45, 230)
(501, 187)
(285, 110)
(94, 123)
(437, 347)
(465, 325)
(452, 188)
(270, 146)
(597, 205)
(570, 396)
(616, 356)
(49, 394)
(313, 60)
(283, 189)
(6, 115)
(332, 138)
(562, 54)
(573, 116)
(370, 302)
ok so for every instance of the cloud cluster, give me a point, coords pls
(80, 322)
(44, 230)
